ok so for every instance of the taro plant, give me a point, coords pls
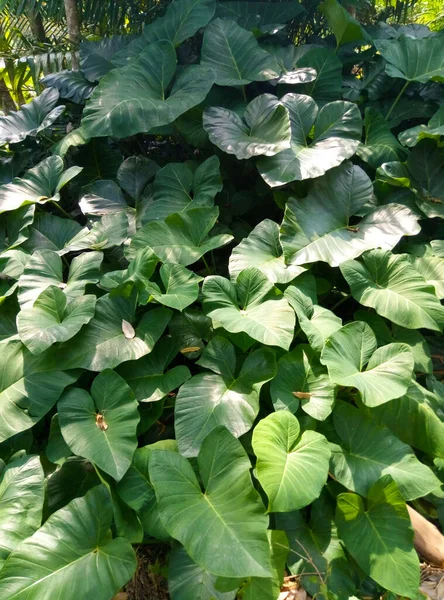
(220, 316)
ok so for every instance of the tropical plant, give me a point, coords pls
(221, 273)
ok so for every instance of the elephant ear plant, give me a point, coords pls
(220, 310)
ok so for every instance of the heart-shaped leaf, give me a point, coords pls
(391, 285)
(336, 135)
(14, 229)
(71, 85)
(49, 232)
(234, 55)
(251, 305)
(135, 173)
(319, 227)
(264, 128)
(230, 512)
(302, 380)
(102, 426)
(413, 59)
(389, 368)
(51, 319)
(434, 129)
(73, 545)
(367, 452)
(32, 118)
(225, 398)
(346, 29)
(292, 468)
(379, 536)
(181, 287)
(380, 145)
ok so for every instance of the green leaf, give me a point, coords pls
(32, 118)
(251, 305)
(137, 491)
(148, 376)
(413, 59)
(419, 409)
(40, 184)
(188, 581)
(434, 129)
(51, 319)
(328, 84)
(379, 536)
(71, 85)
(182, 238)
(111, 230)
(389, 284)
(258, 12)
(431, 269)
(389, 368)
(21, 500)
(292, 468)
(45, 269)
(23, 376)
(319, 227)
(301, 379)
(177, 188)
(262, 249)
(102, 344)
(380, 144)
(74, 549)
(132, 100)
(367, 452)
(72, 480)
(208, 400)
(181, 287)
(346, 29)
(230, 513)
(135, 173)
(102, 426)
(336, 135)
(264, 128)
(14, 229)
(234, 55)
(49, 232)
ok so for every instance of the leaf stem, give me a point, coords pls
(339, 302)
(62, 210)
(397, 99)
(207, 266)
(244, 94)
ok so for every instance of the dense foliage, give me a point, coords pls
(221, 265)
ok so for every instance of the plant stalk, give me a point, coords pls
(397, 99)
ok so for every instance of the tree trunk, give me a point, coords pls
(429, 542)
(7, 104)
(73, 22)
(37, 28)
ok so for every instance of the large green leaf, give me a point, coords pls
(148, 376)
(137, 491)
(14, 228)
(234, 55)
(45, 269)
(224, 398)
(32, 118)
(413, 59)
(380, 145)
(346, 29)
(49, 232)
(434, 129)
(181, 287)
(319, 227)
(230, 513)
(262, 249)
(335, 137)
(23, 376)
(188, 581)
(251, 305)
(135, 173)
(389, 368)
(21, 502)
(414, 419)
(182, 238)
(51, 319)
(71, 85)
(367, 452)
(72, 555)
(301, 379)
(102, 426)
(111, 230)
(432, 269)
(258, 13)
(110, 337)
(391, 285)
(328, 83)
(264, 128)
(40, 184)
(292, 468)
(379, 536)
(132, 100)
